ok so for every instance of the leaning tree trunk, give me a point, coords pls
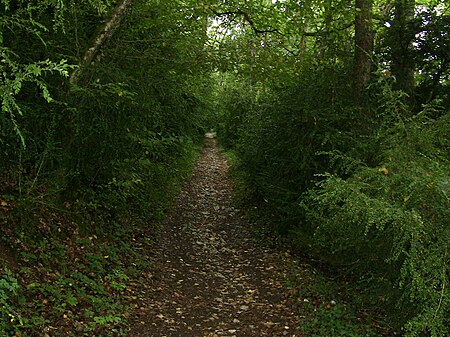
(402, 61)
(103, 35)
(363, 46)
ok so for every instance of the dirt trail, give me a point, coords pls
(208, 277)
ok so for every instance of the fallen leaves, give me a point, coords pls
(210, 278)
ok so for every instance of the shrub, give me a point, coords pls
(390, 223)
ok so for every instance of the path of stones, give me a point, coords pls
(208, 277)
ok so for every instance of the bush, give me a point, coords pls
(390, 223)
(370, 196)
(283, 131)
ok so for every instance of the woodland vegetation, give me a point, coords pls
(336, 115)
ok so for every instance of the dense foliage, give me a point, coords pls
(90, 162)
(338, 114)
(360, 180)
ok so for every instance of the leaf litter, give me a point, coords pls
(208, 277)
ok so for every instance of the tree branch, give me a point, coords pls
(105, 32)
(252, 24)
(248, 19)
(323, 33)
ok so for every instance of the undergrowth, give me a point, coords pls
(75, 261)
(329, 304)
(396, 224)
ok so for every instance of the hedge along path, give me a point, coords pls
(208, 277)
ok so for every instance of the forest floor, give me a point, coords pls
(208, 276)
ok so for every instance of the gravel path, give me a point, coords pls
(208, 277)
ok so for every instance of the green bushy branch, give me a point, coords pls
(392, 221)
(13, 77)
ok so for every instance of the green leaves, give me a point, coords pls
(393, 223)
(13, 76)
(10, 296)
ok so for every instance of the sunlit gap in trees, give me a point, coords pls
(219, 28)
(438, 10)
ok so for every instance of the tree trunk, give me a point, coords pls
(103, 35)
(363, 45)
(402, 60)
